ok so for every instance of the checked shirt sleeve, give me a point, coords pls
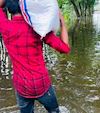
(5, 24)
(56, 43)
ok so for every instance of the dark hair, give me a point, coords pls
(12, 6)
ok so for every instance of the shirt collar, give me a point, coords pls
(17, 18)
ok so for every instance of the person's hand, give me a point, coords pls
(2, 3)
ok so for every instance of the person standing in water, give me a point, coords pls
(31, 79)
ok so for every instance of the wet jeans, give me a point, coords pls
(48, 100)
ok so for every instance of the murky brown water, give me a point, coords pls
(76, 76)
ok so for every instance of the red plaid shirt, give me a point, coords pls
(30, 75)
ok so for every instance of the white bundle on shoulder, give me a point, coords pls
(42, 15)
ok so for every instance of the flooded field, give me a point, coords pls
(76, 76)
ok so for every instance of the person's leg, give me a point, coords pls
(26, 105)
(49, 101)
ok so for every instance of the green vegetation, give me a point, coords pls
(80, 7)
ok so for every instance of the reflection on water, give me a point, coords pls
(76, 77)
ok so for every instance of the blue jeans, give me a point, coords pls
(48, 100)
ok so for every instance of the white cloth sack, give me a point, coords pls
(42, 15)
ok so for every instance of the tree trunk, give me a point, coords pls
(75, 8)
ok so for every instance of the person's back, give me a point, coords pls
(25, 49)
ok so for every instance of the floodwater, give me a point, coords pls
(76, 76)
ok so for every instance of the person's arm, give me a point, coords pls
(4, 22)
(56, 43)
(64, 32)
(61, 44)
(3, 17)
